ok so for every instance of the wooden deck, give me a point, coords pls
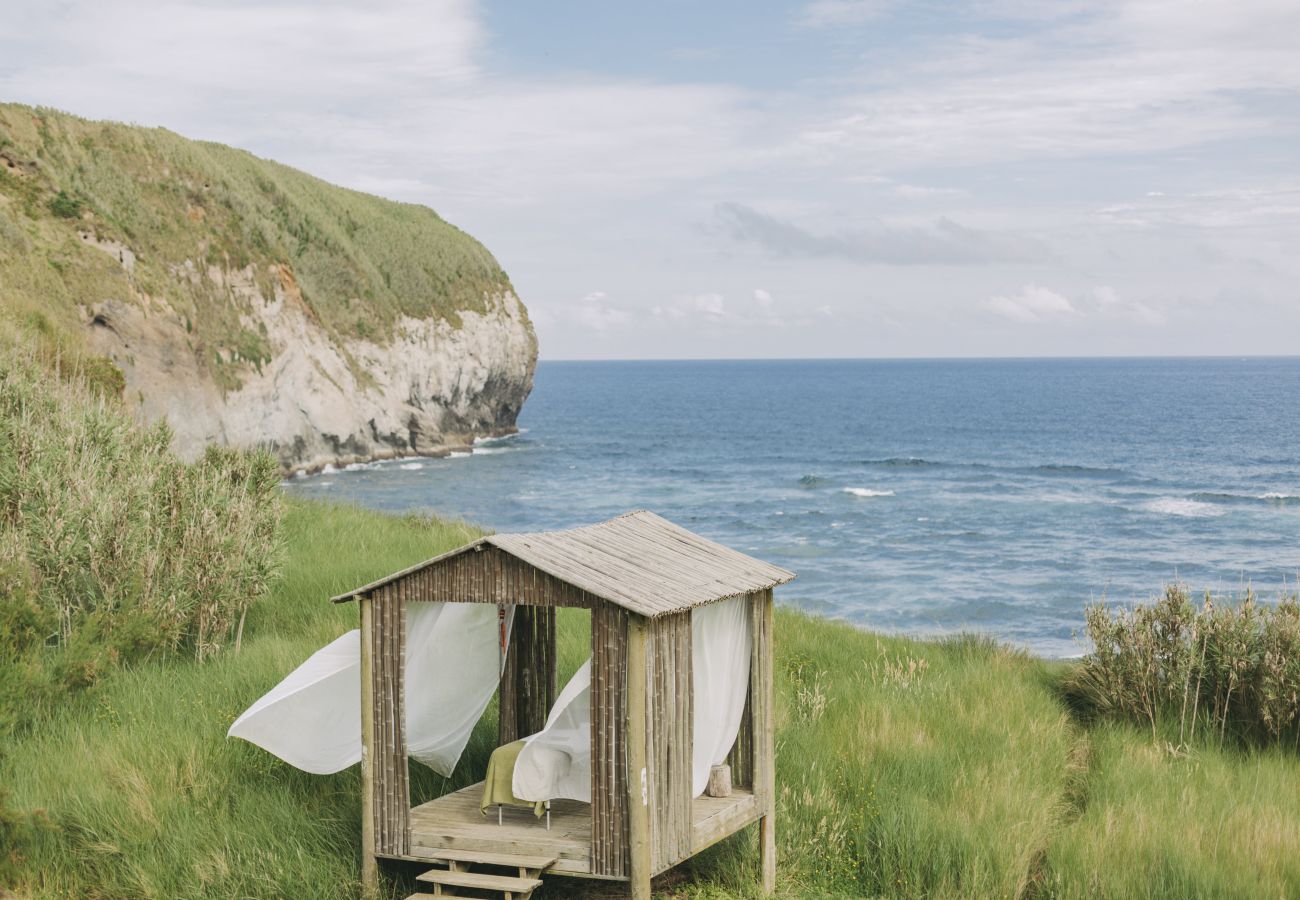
(453, 822)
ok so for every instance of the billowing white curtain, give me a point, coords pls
(556, 761)
(312, 719)
(720, 647)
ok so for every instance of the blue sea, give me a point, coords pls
(917, 496)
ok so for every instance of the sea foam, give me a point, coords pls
(1181, 506)
(867, 492)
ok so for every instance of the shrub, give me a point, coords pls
(111, 548)
(65, 206)
(1222, 670)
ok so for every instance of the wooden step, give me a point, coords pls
(507, 885)
(483, 858)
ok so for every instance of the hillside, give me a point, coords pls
(250, 304)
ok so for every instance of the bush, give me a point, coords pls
(111, 548)
(65, 206)
(1221, 671)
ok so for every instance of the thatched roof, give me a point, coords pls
(638, 561)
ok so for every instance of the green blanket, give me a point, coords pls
(498, 785)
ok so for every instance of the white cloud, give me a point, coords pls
(762, 298)
(1032, 303)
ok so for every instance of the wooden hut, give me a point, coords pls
(640, 577)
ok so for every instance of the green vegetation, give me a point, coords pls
(1221, 672)
(74, 194)
(111, 549)
(906, 769)
(951, 768)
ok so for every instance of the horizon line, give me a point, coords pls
(685, 359)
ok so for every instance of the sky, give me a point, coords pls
(836, 178)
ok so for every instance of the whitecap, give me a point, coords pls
(1181, 506)
(867, 492)
(1279, 497)
(411, 466)
(492, 439)
(327, 469)
(459, 454)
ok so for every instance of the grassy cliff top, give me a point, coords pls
(74, 192)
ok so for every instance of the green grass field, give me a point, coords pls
(905, 769)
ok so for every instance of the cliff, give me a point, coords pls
(250, 304)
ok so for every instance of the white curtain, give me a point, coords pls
(720, 647)
(312, 719)
(556, 762)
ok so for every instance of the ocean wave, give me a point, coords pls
(411, 466)
(809, 481)
(459, 454)
(500, 437)
(1280, 498)
(1272, 498)
(1074, 470)
(1182, 506)
(867, 492)
(909, 461)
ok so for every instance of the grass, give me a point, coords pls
(182, 206)
(905, 769)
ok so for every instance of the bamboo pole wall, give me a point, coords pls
(528, 684)
(392, 805)
(609, 834)
(669, 736)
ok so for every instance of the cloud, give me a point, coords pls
(1035, 303)
(1032, 304)
(762, 298)
(710, 307)
(594, 313)
(945, 242)
(826, 13)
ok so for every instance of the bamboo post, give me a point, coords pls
(369, 866)
(764, 728)
(638, 805)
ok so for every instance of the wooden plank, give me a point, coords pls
(369, 867)
(494, 859)
(480, 881)
(638, 802)
(717, 818)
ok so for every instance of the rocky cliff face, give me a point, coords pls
(249, 304)
(429, 389)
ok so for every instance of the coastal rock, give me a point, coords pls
(430, 387)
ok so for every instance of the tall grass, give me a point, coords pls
(1219, 670)
(112, 549)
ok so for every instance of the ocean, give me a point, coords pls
(916, 496)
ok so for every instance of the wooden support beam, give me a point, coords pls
(369, 865)
(638, 800)
(765, 741)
